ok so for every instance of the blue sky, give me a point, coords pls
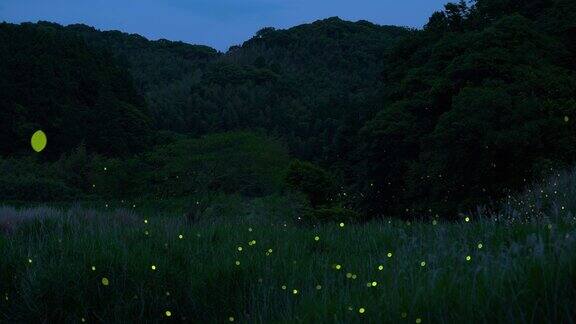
(217, 23)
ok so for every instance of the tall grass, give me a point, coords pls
(256, 264)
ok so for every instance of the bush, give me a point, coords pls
(243, 163)
(316, 183)
(28, 180)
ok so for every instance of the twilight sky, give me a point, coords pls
(217, 23)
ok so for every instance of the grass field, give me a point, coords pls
(256, 264)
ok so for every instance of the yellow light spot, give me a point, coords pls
(93, 268)
(239, 249)
(38, 141)
(269, 250)
(480, 245)
(295, 291)
(348, 275)
(146, 233)
(418, 320)
(467, 219)
(283, 287)
(374, 284)
(361, 310)
(389, 254)
(180, 236)
(338, 267)
(237, 263)
(231, 319)
(353, 276)
(105, 281)
(29, 260)
(153, 267)
(316, 238)
(145, 221)
(168, 313)
(318, 287)
(341, 224)
(468, 258)
(422, 264)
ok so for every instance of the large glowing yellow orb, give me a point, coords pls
(39, 141)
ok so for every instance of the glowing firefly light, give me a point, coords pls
(38, 141)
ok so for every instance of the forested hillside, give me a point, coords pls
(408, 122)
(51, 80)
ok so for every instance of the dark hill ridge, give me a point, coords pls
(324, 55)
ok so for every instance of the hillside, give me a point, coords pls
(52, 80)
(412, 123)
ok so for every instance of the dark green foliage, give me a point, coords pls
(163, 71)
(310, 84)
(413, 122)
(51, 80)
(28, 180)
(317, 184)
(242, 163)
(471, 110)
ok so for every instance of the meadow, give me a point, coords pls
(254, 261)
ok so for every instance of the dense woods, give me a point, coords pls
(400, 122)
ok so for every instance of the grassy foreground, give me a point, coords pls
(78, 264)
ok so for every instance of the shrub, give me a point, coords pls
(316, 183)
(240, 162)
